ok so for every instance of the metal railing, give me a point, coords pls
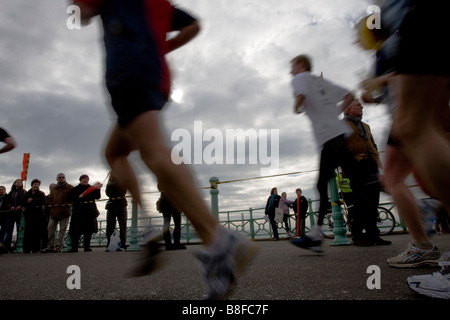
(249, 222)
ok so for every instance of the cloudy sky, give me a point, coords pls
(234, 75)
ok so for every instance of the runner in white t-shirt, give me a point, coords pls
(319, 99)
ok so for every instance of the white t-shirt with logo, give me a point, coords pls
(321, 99)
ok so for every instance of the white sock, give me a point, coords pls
(316, 233)
(217, 242)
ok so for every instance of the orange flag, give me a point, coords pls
(26, 162)
(96, 185)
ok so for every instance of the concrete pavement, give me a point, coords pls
(280, 271)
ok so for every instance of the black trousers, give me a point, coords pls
(366, 199)
(118, 212)
(176, 216)
(334, 154)
(274, 225)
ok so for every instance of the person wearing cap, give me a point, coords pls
(84, 213)
(365, 151)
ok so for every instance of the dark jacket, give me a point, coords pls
(361, 143)
(15, 197)
(116, 194)
(270, 207)
(4, 209)
(166, 206)
(303, 207)
(36, 207)
(4, 204)
(84, 210)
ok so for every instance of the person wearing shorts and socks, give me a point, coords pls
(415, 53)
(138, 79)
(319, 98)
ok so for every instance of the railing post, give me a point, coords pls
(68, 243)
(214, 192)
(188, 231)
(252, 227)
(134, 227)
(339, 229)
(311, 212)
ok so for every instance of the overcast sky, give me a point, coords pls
(234, 75)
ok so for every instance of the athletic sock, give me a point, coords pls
(316, 233)
(424, 245)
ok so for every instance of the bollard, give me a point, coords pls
(339, 229)
(68, 243)
(134, 228)
(214, 192)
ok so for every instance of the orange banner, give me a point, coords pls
(26, 162)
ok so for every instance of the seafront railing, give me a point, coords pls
(250, 222)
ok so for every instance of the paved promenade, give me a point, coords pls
(280, 271)
(282, 280)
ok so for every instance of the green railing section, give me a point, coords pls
(250, 222)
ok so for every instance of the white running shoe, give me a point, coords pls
(219, 267)
(415, 257)
(435, 285)
(149, 260)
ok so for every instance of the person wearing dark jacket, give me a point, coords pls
(34, 203)
(116, 208)
(272, 203)
(300, 205)
(4, 209)
(84, 212)
(14, 216)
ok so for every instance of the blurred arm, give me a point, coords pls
(10, 144)
(185, 35)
